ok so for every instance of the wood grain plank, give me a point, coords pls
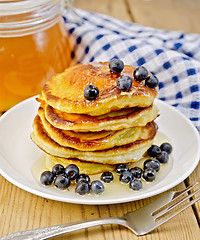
(194, 177)
(21, 210)
(114, 8)
(167, 14)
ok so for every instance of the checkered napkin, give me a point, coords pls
(173, 56)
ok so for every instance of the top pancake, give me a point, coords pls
(65, 91)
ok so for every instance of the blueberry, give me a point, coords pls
(58, 169)
(124, 83)
(62, 181)
(107, 177)
(136, 171)
(97, 187)
(82, 188)
(149, 174)
(157, 126)
(135, 184)
(140, 74)
(153, 151)
(46, 178)
(167, 147)
(126, 177)
(116, 65)
(121, 168)
(152, 163)
(151, 81)
(72, 171)
(163, 157)
(83, 177)
(91, 92)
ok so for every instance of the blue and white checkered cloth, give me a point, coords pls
(173, 56)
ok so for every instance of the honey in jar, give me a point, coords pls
(34, 46)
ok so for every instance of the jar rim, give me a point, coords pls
(19, 18)
(22, 6)
(11, 7)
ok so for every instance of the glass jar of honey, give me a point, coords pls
(34, 46)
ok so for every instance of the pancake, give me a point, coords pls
(65, 90)
(127, 153)
(124, 118)
(84, 167)
(91, 141)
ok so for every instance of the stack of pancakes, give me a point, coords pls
(116, 127)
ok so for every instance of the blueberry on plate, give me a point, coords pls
(124, 83)
(163, 157)
(151, 81)
(152, 163)
(135, 184)
(62, 181)
(82, 188)
(107, 177)
(116, 65)
(140, 74)
(137, 172)
(153, 151)
(167, 147)
(97, 187)
(72, 171)
(121, 168)
(58, 169)
(149, 174)
(126, 177)
(46, 178)
(91, 92)
(83, 178)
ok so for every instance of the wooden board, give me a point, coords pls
(114, 8)
(193, 178)
(167, 14)
(21, 210)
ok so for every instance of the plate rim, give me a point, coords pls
(102, 201)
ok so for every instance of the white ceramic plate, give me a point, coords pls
(18, 156)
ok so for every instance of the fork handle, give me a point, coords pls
(48, 232)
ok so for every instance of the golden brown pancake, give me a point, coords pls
(84, 167)
(65, 91)
(124, 118)
(127, 153)
(91, 141)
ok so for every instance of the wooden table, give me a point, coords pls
(20, 210)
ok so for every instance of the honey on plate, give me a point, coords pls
(34, 46)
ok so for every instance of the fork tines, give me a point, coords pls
(168, 211)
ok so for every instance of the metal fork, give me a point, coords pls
(140, 221)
